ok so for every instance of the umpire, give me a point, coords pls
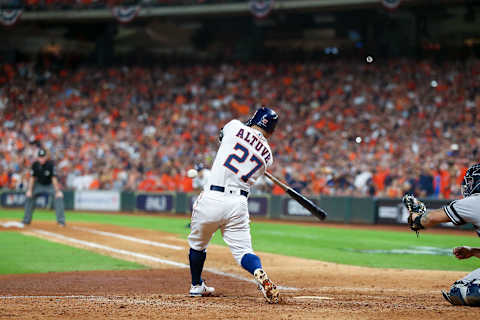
(43, 180)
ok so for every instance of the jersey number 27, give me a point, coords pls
(242, 159)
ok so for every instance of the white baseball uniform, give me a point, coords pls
(243, 157)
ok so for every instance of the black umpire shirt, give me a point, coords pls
(43, 174)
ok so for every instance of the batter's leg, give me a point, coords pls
(251, 262)
(200, 234)
(197, 259)
(204, 223)
(29, 208)
(240, 244)
(198, 287)
(236, 234)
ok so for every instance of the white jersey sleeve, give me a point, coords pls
(464, 210)
(243, 156)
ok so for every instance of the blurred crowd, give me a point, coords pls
(345, 128)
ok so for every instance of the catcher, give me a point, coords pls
(465, 291)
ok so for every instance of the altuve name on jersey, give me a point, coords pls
(256, 143)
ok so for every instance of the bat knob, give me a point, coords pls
(322, 215)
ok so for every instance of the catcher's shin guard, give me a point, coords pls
(456, 294)
(464, 293)
(472, 297)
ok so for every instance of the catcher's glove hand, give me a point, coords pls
(417, 209)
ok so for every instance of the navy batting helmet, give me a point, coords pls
(265, 118)
(471, 181)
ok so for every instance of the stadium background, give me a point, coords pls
(127, 96)
(132, 106)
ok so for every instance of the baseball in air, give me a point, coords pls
(369, 59)
(192, 173)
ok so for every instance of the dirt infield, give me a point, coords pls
(315, 289)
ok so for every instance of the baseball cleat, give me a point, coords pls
(268, 288)
(201, 290)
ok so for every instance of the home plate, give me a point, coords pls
(314, 297)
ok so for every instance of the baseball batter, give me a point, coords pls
(243, 157)
(465, 291)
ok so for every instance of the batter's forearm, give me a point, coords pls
(476, 252)
(434, 217)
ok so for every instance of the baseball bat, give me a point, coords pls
(306, 203)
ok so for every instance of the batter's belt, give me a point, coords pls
(222, 189)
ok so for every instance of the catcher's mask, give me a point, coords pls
(471, 181)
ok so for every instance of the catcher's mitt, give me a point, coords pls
(417, 207)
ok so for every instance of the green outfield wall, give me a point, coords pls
(340, 209)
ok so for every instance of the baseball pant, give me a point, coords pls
(475, 274)
(229, 213)
(30, 203)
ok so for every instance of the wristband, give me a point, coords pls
(418, 221)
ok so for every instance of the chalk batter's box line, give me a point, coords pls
(146, 257)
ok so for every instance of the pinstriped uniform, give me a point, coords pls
(465, 210)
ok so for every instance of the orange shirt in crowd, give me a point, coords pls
(94, 185)
(167, 183)
(4, 179)
(379, 179)
(187, 184)
(319, 185)
(177, 182)
(277, 190)
(461, 174)
(445, 184)
(148, 184)
(394, 192)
